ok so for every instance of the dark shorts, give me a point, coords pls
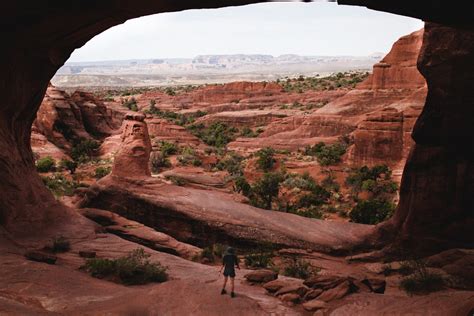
(229, 273)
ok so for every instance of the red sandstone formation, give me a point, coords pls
(395, 83)
(43, 147)
(65, 119)
(235, 91)
(163, 130)
(60, 119)
(98, 119)
(131, 159)
(436, 193)
(249, 118)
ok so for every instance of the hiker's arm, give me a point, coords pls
(222, 267)
(237, 263)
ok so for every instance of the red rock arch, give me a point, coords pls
(438, 184)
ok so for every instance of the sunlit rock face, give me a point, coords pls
(133, 154)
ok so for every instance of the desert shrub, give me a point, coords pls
(217, 134)
(64, 129)
(135, 268)
(70, 165)
(371, 211)
(362, 178)
(60, 244)
(298, 268)
(261, 259)
(311, 195)
(232, 163)
(101, 172)
(430, 282)
(327, 154)
(212, 253)
(266, 189)
(130, 104)
(170, 91)
(188, 156)
(242, 186)
(248, 132)
(152, 109)
(330, 184)
(84, 150)
(59, 185)
(266, 158)
(421, 281)
(176, 180)
(168, 148)
(158, 161)
(45, 164)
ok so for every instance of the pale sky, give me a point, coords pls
(267, 28)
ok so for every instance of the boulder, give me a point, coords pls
(40, 256)
(336, 293)
(290, 298)
(275, 285)
(294, 288)
(314, 305)
(261, 276)
(312, 294)
(323, 282)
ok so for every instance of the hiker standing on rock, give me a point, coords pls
(229, 262)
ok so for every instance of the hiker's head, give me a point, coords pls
(230, 251)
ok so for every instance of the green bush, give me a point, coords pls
(312, 196)
(359, 178)
(212, 253)
(158, 161)
(61, 244)
(372, 211)
(298, 268)
(176, 180)
(248, 132)
(232, 163)
(84, 150)
(329, 183)
(101, 172)
(168, 148)
(130, 104)
(242, 186)
(188, 156)
(266, 189)
(217, 134)
(64, 129)
(135, 268)
(266, 158)
(260, 259)
(66, 164)
(421, 281)
(327, 154)
(45, 164)
(170, 91)
(59, 185)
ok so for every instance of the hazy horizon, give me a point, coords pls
(305, 29)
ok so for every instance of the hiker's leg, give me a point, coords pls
(232, 284)
(225, 282)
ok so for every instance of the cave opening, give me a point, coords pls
(362, 123)
(435, 211)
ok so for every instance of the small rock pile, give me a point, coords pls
(315, 292)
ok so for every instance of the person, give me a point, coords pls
(229, 262)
